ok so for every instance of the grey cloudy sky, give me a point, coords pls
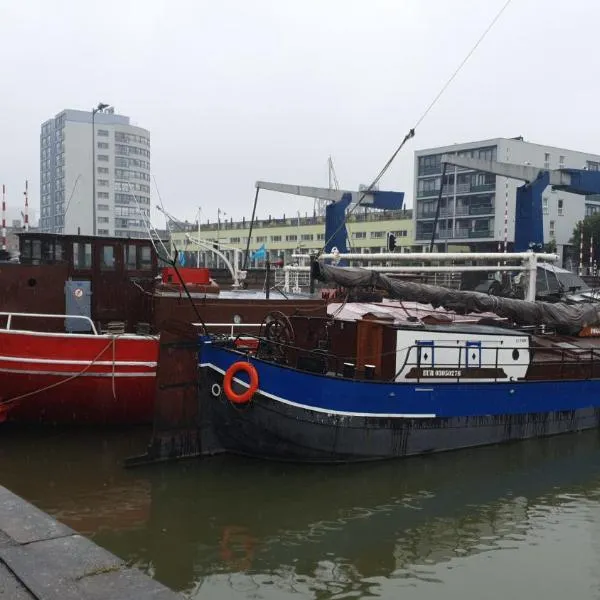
(239, 90)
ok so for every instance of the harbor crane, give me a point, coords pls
(529, 222)
(339, 201)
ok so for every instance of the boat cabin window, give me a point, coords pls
(52, 251)
(107, 258)
(130, 256)
(145, 258)
(82, 255)
(31, 251)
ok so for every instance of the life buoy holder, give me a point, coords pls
(235, 368)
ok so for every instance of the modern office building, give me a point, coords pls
(473, 204)
(96, 153)
(282, 237)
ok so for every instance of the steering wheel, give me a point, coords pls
(276, 327)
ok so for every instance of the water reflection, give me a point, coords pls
(230, 525)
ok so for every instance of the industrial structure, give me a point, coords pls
(477, 208)
(94, 174)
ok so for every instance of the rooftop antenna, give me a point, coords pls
(26, 192)
(3, 217)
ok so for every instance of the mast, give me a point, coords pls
(26, 192)
(3, 217)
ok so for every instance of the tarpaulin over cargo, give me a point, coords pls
(565, 318)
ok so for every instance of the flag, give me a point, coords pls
(181, 258)
(260, 254)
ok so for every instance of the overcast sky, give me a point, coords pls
(234, 91)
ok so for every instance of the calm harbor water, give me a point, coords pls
(517, 521)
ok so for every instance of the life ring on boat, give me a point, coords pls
(231, 373)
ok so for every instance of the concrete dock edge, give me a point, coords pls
(43, 559)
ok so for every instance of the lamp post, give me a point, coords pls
(101, 106)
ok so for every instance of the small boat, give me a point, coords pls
(379, 387)
(198, 282)
(52, 377)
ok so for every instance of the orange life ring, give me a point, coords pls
(230, 374)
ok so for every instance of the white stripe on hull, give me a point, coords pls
(324, 410)
(78, 373)
(102, 363)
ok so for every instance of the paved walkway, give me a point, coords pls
(44, 560)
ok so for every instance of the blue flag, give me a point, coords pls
(181, 258)
(260, 254)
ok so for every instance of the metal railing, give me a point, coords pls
(10, 315)
(231, 325)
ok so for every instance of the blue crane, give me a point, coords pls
(336, 234)
(529, 222)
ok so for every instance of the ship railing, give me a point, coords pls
(9, 317)
(231, 326)
(561, 360)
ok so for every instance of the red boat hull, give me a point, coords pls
(70, 378)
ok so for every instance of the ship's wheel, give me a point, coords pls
(276, 327)
(277, 334)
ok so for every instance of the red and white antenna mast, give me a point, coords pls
(26, 206)
(3, 217)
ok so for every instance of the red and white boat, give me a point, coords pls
(96, 378)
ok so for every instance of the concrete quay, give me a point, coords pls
(43, 559)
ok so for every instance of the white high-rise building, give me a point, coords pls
(474, 204)
(112, 159)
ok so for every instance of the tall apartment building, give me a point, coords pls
(472, 206)
(73, 153)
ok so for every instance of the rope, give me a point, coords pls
(4, 403)
(411, 132)
(114, 351)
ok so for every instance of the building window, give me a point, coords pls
(561, 162)
(102, 170)
(103, 195)
(546, 160)
(103, 220)
(275, 238)
(552, 229)
(306, 237)
(102, 145)
(545, 205)
(560, 207)
(359, 235)
(320, 237)
(102, 182)
(430, 164)
(103, 157)
(261, 238)
(103, 232)
(377, 234)
(82, 256)
(593, 166)
(103, 207)
(291, 238)
(234, 240)
(102, 132)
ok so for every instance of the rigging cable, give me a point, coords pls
(411, 132)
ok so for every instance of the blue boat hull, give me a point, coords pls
(304, 417)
